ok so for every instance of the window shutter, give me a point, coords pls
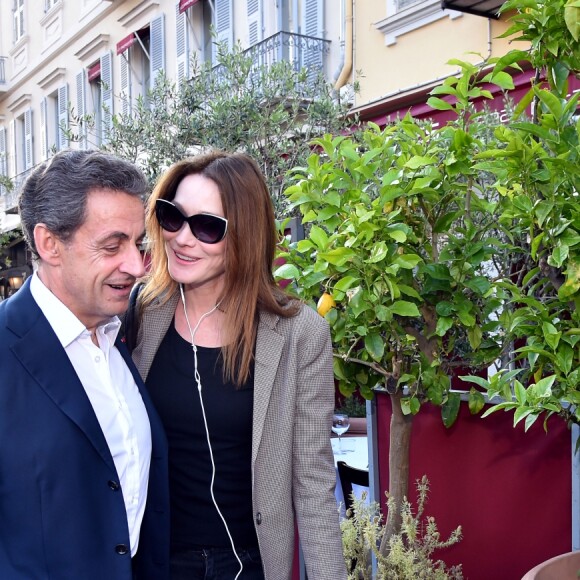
(3, 158)
(157, 47)
(182, 45)
(12, 137)
(81, 83)
(107, 95)
(312, 25)
(62, 139)
(255, 30)
(28, 156)
(125, 95)
(43, 129)
(223, 24)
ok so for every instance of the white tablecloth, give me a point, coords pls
(355, 452)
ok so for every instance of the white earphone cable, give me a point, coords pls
(198, 382)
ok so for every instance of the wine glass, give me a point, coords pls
(340, 425)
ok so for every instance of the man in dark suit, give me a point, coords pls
(83, 457)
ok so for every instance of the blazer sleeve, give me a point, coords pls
(314, 474)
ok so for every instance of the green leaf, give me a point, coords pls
(445, 308)
(484, 383)
(439, 104)
(404, 308)
(443, 325)
(450, 409)
(474, 336)
(318, 236)
(502, 80)
(409, 291)
(345, 283)
(479, 285)
(418, 161)
(444, 222)
(565, 358)
(375, 345)
(287, 272)
(378, 253)
(475, 402)
(407, 261)
(543, 388)
(572, 19)
(559, 256)
(397, 235)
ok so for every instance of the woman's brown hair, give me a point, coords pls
(250, 248)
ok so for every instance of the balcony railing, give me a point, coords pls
(11, 197)
(300, 51)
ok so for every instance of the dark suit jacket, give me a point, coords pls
(62, 515)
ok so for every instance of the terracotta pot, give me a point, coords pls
(561, 567)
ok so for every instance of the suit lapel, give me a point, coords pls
(43, 357)
(269, 345)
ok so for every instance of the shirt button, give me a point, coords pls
(114, 485)
(97, 359)
(258, 518)
(121, 549)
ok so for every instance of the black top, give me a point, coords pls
(194, 518)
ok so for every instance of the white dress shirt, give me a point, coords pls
(114, 396)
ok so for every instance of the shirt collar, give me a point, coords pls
(65, 324)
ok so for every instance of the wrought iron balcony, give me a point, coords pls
(300, 51)
(10, 197)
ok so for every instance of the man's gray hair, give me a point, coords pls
(56, 192)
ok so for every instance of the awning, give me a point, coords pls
(185, 4)
(485, 8)
(126, 43)
(389, 110)
(94, 72)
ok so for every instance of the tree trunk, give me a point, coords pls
(399, 449)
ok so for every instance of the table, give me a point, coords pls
(355, 453)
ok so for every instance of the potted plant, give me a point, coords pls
(398, 238)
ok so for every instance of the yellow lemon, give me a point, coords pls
(325, 303)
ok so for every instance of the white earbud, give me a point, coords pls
(198, 382)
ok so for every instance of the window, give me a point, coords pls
(255, 23)
(22, 135)
(49, 4)
(312, 25)
(18, 19)
(99, 99)
(406, 15)
(142, 58)
(48, 125)
(3, 158)
(223, 24)
(81, 91)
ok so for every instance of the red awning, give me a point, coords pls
(185, 4)
(94, 71)
(124, 44)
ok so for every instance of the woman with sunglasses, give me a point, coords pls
(241, 375)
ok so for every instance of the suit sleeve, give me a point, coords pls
(314, 474)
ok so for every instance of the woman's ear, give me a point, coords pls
(48, 246)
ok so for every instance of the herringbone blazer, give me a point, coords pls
(293, 471)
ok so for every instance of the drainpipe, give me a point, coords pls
(347, 66)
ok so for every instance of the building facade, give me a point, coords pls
(402, 48)
(63, 59)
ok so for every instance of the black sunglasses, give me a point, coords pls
(206, 227)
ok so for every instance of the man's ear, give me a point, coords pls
(48, 246)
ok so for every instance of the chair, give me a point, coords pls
(349, 475)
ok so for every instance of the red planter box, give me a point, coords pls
(509, 490)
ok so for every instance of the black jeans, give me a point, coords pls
(216, 564)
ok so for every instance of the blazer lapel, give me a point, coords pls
(269, 345)
(43, 357)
